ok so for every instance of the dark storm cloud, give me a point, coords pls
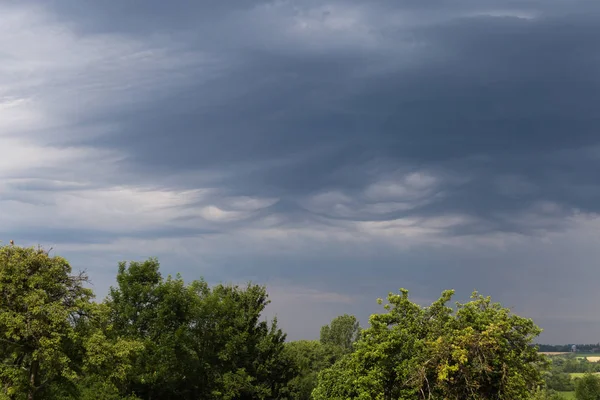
(507, 103)
(142, 16)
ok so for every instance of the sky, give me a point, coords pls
(334, 151)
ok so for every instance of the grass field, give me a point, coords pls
(591, 357)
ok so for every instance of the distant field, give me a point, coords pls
(581, 374)
(553, 353)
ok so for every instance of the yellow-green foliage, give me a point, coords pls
(51, 332)
(478, 351)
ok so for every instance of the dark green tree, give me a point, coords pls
(559, 381)
(309, 357)
(200, 342)
(252, 355)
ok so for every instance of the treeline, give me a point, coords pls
(563, 348)
(161, 338)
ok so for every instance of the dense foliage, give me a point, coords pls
(479, 351)
(199, 342)
(162, 338)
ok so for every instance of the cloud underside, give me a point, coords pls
(344, 147)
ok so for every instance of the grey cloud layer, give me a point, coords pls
(506, 103)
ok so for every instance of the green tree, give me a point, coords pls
(487, 353)
(160, 314)
(53, 337)
(41, 306)
(343, 331)
(199, 342)
(478, 351)
(249, 348)
(108, 358)
(587, 388)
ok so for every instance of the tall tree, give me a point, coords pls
(158, 313)
(200, 342)
(254, 364)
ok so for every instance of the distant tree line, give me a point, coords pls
(160, 338)
(563, 348)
